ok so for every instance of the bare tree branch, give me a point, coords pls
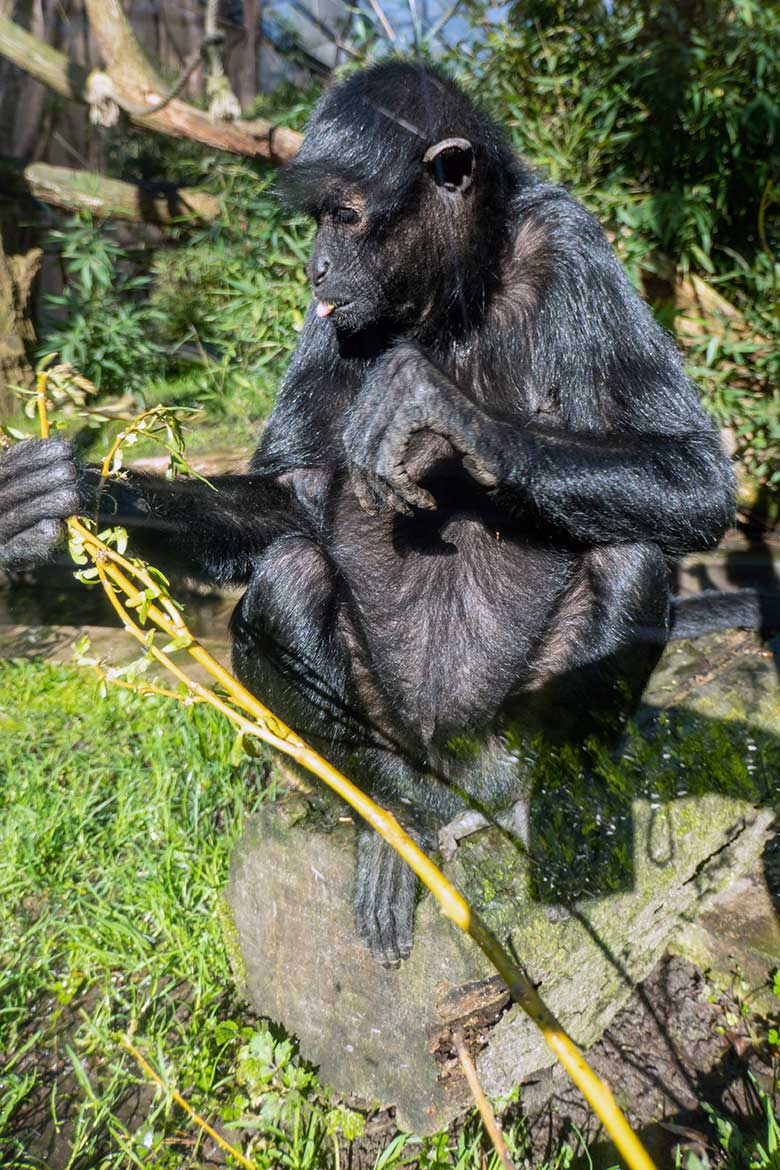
(480, 1100)
(122, 55)
(42, 61)
(330, 33)
(133, 91)
(386, 25)
(444, 19)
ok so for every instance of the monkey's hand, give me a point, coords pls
(38, 491)
(405, 393)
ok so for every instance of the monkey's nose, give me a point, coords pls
(321, 270)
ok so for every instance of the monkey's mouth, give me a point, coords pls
(326, 308)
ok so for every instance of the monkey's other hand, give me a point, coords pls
(384, 900)
(38, 491)
(405, 393)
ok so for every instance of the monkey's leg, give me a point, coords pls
(290, 651)
(385, 897)
(386, 887)
(286, 647)
(594, 662)
(602, 643)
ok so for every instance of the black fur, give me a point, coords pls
(459, 524)
(712, 610)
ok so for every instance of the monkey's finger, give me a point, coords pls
(395, 502)
(386, 944)
(33, 546)
(373, 495)
(391, 469)
(382, 940)
(402, 903)
(376, 495)
(363, 489)
(466, 448)
(479, 471)
(31, 454)
(373, 902)
(367, 919)
(32, 483)
(389, 907)
(389, 954)
(408, 492)
(56, 505)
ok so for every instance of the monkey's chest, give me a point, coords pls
(445, 611)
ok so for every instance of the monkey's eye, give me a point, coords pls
(345, 215)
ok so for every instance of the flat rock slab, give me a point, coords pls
(617, 867)
(739, 934)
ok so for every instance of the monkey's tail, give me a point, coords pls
(713, 610)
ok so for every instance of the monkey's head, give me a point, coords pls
(410, 185)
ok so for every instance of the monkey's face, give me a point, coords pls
(345, 266)
(410, 186)
(384, 256)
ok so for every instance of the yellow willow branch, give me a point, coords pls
(105, 467)
(481, 1101)
(118, 573)
(144, 688)
(177, 1097)
(40, 396)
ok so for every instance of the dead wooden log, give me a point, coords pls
(17, 273)
(106, 198)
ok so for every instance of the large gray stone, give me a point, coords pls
(619, 866)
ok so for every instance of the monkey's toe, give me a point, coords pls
(386, 931)
(384, 901)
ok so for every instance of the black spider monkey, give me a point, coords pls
(483, 459)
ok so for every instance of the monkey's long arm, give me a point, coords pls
(674, 489)
(632, 454)
(210, 531)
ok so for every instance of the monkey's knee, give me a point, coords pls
(284, 639)
(288, 601)
(292, 577)
(631, 587)
(603, 641)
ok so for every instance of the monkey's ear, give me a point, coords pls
(451, 163)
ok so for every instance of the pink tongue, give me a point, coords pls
(324, 309)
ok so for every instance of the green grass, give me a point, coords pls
(117, 818)
(118, 815)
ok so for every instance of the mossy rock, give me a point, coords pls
(617, 864)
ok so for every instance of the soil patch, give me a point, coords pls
(669, 1050)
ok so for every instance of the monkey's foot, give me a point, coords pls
(384, 900)
(513, 820)
(463, 825)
